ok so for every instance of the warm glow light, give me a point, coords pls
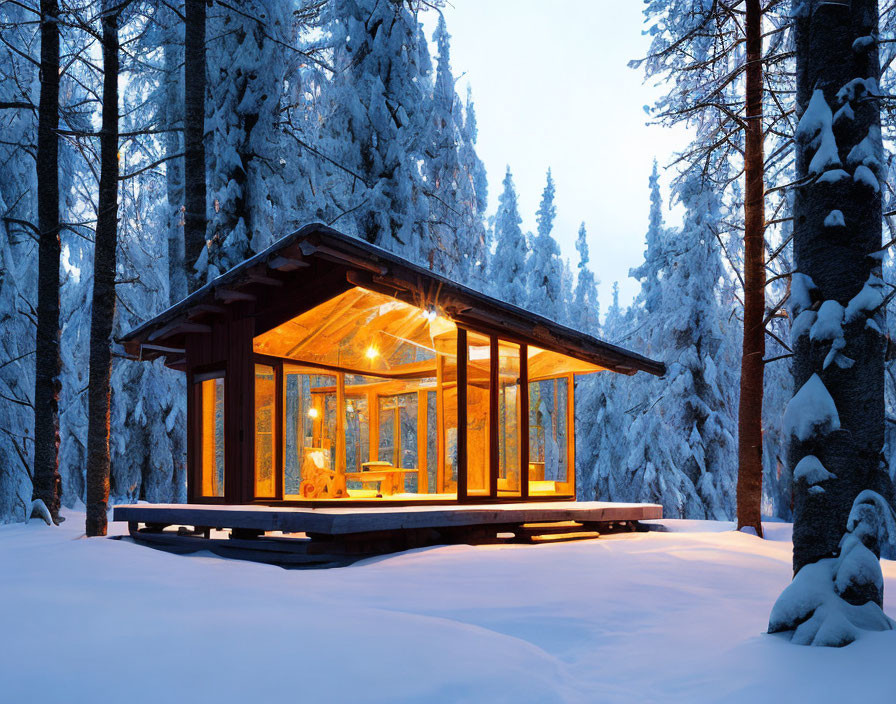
(371, 352)
(430, 314)
(312, 412)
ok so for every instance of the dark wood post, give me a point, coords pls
(524, 421)
(493, 389)
(461, 414)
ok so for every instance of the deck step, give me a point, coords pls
(552, 526)
(554, 531)
(557, 537)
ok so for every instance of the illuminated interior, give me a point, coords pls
(358, 398)
(211, 413)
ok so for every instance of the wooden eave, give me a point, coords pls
(259, 288)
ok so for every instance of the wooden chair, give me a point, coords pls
(318, 480)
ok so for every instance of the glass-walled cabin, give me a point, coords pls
(369, 398)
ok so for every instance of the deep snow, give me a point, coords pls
(658, 617)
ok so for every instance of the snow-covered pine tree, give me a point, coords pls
(376, 123)
(195, 164)
(545, 267)
(247, 60)
(836, 417)
(509, 262)
(148, 441)
(586, 308)
(169, 33)
(602, 420)
(683, 430)
(567, 286)
(584, 314)
(444, 244)
(18, 261)
(729, 74)
(474, 200)
(654, 256)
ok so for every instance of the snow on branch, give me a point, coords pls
(811, 412)
(812, 471)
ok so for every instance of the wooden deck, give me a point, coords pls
(333, 536)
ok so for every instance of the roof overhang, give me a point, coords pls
(353, 262)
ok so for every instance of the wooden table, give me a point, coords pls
(389, 478)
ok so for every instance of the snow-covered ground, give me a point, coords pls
(658, 617)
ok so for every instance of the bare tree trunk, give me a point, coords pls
(103, 314)
(48, 363)
(174, 172)
(749, 475)
(837, 231)
(194, 132)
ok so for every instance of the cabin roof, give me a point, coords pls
(356, 262)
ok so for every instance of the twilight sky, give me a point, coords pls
(552, 87)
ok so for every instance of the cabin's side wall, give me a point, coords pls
(228, 348)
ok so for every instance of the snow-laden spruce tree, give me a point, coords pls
(682, 436)
(601, 419)
(584, 314)
(654, 257)
(836, 417)
(586, 307)
(148, 443)
(377, 122)
(247, 55)
(17, 270)
(444, 243)
(474, 200)
(168, 31)
(18, 261)
(545, 267)
(507, 273)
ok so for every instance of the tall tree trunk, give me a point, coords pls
(48, 363)
(103, 314)
(174, 172)
(194, 132)
(749, 475)
(837, 232)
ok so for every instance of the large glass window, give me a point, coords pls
(309, 431)
(265, 431)
(211, 441)
(549, 436)
(509, 419)
(478, 439)
(447, 471)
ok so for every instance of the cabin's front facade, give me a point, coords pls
(326, 371)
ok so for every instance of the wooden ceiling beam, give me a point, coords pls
(163, 348)
(263, 280)
(344, 257)
(287, 263)
(201, 309)
(229, 295)
(179, 327)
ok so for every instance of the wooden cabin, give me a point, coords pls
(327, 370)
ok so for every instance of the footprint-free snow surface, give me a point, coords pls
(657, 617)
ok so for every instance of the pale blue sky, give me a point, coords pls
(552, 87)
